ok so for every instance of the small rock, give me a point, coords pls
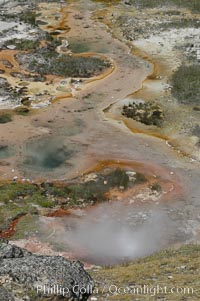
(11, 47)
(183, 267)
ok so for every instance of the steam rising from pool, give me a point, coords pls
(111, 233)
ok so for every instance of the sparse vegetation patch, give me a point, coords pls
(186, 84)
(45, 61)
(172, 268)
(148, 113)
(24, 198)
(193, 5)
(23, 44)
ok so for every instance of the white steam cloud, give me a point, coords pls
(111, 233)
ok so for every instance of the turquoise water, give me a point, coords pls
(47, 154)
(51, 157)
(6, 151)
(77, 45)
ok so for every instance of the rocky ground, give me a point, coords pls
(25, 276)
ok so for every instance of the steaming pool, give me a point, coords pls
(111, 233)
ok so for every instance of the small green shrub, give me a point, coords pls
(156, 187)
(148, 113)
(22, 111)
(29, 17)
(5, 118)
(140, 178)
(118, 178)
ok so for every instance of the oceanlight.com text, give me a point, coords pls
(113, 289)
(144, 290)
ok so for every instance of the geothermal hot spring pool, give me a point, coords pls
(110, 233)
